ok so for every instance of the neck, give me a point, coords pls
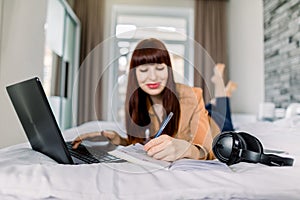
(156, 99)
(158, 107)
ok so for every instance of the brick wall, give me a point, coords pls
(282, 51)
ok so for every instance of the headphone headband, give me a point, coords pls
(233, 147)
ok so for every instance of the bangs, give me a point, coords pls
(149, 56)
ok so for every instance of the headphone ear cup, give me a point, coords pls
(223, 147)
(222, 144)
(226, 147)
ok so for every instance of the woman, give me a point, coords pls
(151, 95)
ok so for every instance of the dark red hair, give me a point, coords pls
(149, 51)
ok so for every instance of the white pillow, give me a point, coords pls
(292, 110)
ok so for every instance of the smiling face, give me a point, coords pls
(152, 78)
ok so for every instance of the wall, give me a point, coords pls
(282, 50)
(246, 62)
(21, 57)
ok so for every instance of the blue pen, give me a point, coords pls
(164, 124)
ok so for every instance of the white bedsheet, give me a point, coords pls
(26, 174)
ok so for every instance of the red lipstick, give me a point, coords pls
(153, 85)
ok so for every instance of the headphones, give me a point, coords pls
(234, 147)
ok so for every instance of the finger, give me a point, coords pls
(75, 144)
(163, 155)
(155, 141)
(108, 134)
(152, 143)
(167, 154)
(161, 147)
(78, 140)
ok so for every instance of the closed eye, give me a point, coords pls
(160, 68)
(143, 70)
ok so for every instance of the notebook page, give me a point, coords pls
(135, 153)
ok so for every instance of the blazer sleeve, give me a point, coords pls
(203, 127)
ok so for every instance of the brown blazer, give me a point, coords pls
(195, 125)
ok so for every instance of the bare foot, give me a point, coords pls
(217, 79)
(218, 73)
(230, 87)
(219, 69)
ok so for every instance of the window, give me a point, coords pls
(61, 61)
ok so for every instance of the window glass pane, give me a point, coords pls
(55, 26)
(166, 28)
(69, 39)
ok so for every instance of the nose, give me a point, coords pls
(152, 74)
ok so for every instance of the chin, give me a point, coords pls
(154, 92)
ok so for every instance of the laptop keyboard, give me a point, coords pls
(95, 157)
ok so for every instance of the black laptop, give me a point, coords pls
(38, 121)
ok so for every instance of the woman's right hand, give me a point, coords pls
(112, 136)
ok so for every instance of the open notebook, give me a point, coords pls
(135, 153)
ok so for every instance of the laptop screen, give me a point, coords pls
(37, 119)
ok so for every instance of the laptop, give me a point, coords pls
(44, 135)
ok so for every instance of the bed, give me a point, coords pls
(27, 174)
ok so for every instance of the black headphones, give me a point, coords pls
(233, 147)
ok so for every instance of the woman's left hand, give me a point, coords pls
(168, 148)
